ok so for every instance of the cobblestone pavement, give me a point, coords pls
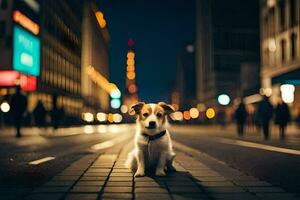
(105, 177)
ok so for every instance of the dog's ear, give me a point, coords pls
(136, 108)
(167, 107)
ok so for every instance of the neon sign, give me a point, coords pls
(26, 22)
(26, 52)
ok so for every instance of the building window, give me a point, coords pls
(282, 14)
(283, 50)
(293, 12)
(294, 45)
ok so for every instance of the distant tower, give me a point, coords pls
(130, 95)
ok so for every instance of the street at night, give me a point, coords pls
(149, 100)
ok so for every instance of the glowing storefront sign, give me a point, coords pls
(26, 22)
(26, 52)
(12, 78)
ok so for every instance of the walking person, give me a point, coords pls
(240, 117)
(57, 114)
(39, 114)
(282, 117)
(18, 105)
(265, 114)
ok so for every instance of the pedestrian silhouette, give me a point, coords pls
(56, 113)
(18, 105)
(240, 117)
(282, 117)
(39, 114)
(265, 114)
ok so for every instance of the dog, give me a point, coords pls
(153, 149)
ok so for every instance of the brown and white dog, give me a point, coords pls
(153, 147)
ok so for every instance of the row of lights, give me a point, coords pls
(287, 92)
(130, 74)
(193, 113)
(102, 117)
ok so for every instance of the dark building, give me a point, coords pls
(41, 49)
(227, 35)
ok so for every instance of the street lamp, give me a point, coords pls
(5, 107)
(223, 99)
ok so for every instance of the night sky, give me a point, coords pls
(160, 30)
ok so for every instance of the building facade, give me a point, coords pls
(280, 48)
(94, 64)
(227, 35)
(49, 48)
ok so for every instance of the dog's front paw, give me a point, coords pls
(139, 173)
(160, 173)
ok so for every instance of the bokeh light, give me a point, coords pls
(115, 93)
(124, 109)
(210, 113)
(88, 117)
(194, 113)
(223, 99)
(115, 103)
(101, 117)
(5, 107)
(287, 93)
(186, 115)
(117, 118)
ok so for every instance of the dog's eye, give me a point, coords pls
(159, 115)
(145, 114)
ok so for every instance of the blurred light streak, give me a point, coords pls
(37, 162)
(100, 80)
(27, 23)
(252, 99)
(88, 129)
(103, 145)
(117, 118)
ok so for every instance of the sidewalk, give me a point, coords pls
(198, 177)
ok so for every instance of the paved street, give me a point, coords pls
(88, 163)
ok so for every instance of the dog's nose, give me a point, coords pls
(152, 123)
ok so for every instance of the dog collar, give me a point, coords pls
(154, 137)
